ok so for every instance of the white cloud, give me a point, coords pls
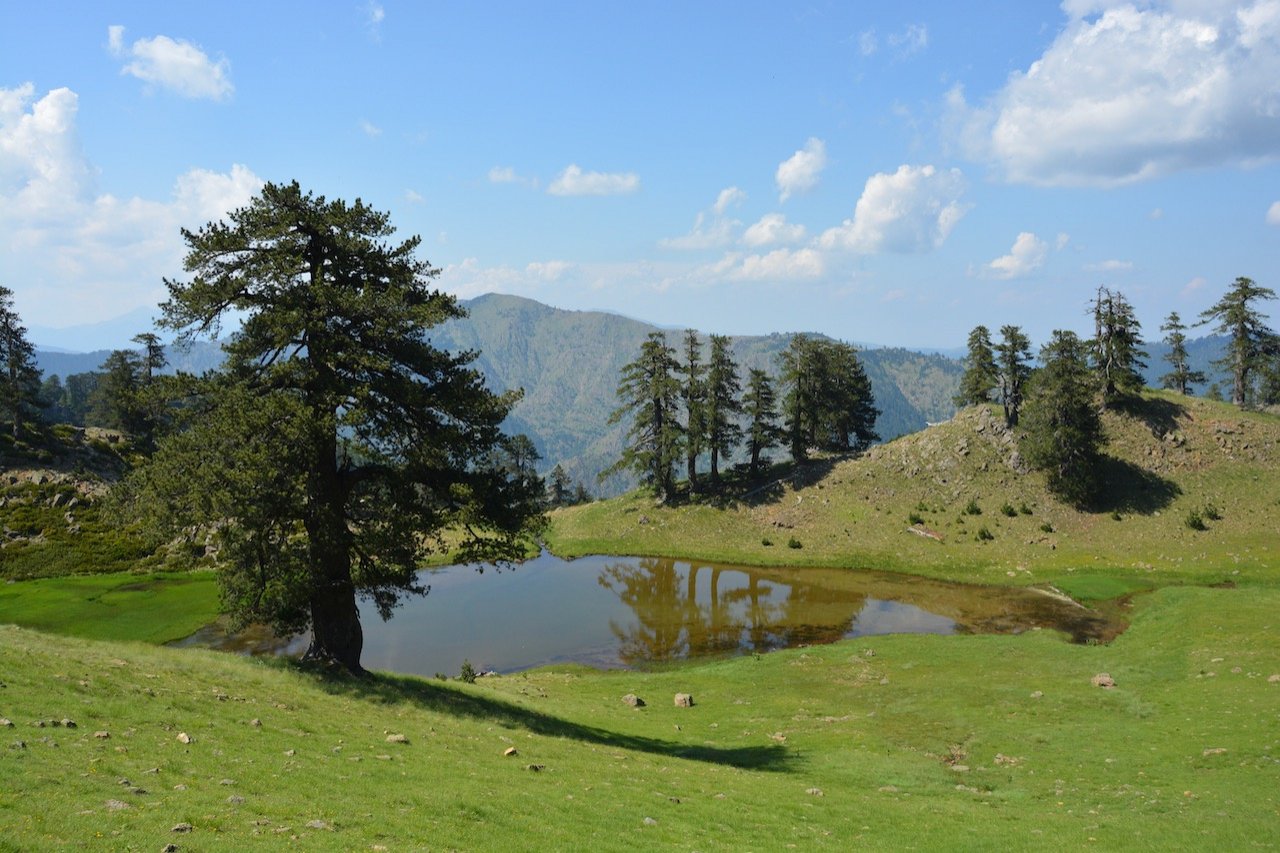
(1028, 254)
(1129, 91)
(772, 228)
(1194, 285)
(1109, 266)
(911, 210)
(374, 14)
(86, 256)
(1273, 213)
(413, 197)
(370, 129)
(574, 181)
(711, 228)
(729, 197)
(911, 40)
(1061, 241)
(895, 295)
(799, 172)
(549, 270)
(1157, 213)
(172, 64)
(778, 265)
(868, 44)
(508, 175)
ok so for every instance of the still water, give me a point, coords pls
(639, 611)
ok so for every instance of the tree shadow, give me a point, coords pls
(1125, 487)
(391, 689)
(1160, 415)
(770, 489)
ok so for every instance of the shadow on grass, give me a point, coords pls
(1129, 488)
(461, 703)
(1160, 415)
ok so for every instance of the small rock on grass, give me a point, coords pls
(182, 827)
(183, 737)
(6, 723)
(397, 738)
(814, 792)
(102, 735)
(633, 700)
(1103, 680)
(684, 700)
(510, 751)
(317, 824)
(1274, 678)
(650, 822)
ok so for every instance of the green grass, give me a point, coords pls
(1167, 456)
(975, 743)
(153, 608)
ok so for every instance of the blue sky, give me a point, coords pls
(881, 172)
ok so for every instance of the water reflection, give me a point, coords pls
(637, 612)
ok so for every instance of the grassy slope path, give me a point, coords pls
(976, 743)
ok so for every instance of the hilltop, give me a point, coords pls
(956, 501)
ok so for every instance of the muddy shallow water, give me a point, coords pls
(643, 611)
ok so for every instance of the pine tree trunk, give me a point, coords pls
(336, 635)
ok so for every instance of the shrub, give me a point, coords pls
(1116, 516)
(1195, 521)
(793, 542)
(1008, 510)
(1046, 527)
(1211, 512)
(766, 542)
(467, 673)
(972, 508)
(984, 535)
(1024, 509)
(923, 507)
(915, 518)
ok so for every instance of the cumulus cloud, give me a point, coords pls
(1128, 92)
(548, 270)
(574, 181)
(413, 196)
(174, 64)
(370, 129)
(1273, 213)
(913, 39)
(711, 228)
(773, 228)
(85, 255)
(778, 265)
(911, 210)
(1028, 254)
(799, 172)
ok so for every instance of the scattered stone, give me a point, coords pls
(536, 768)
(182, 827)
(179, 787)
(39, 724)
(1217, 750)
(684, 700)
(18, 744)
(183, 737)
(1103, 680)
(397, 739)
(317, 824)
(116, 805)
(383, 757)
(6, 723)
(1274, 679)
(102, 735)
(71, 724)
(869, 653)
(170, 848)
(633, 700)
(1003, 760)
(675, 800)
(227, 782)
(884, 680)
(256, 723)
(510, 751)
(1037, 694)
(888, 789)
(960, 768)
(650, 822)
(290, 752)
(644, 519)
(815, 792)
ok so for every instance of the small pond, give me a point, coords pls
(639, 612)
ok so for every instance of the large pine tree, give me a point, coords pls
(20, 399)
(721, 405)
(981, 376)
(1061, 431)
(1116, 347)
(759, 404)
(336, 444)
(1181, 376)
(649, 392)
(1013, 356)
(1250, 342)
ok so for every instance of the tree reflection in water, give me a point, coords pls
(739, 610)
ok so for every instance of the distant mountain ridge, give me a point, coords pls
(568, 363)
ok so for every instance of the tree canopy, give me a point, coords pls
(650, 393)
(827, 400)
(981, 376)
(1061, 430)
(1251, 340)
(336, 445)
(20, 397)
(1116, 347)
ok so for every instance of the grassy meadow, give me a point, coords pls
(895, 742)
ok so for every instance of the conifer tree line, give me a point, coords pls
(689, 405)
(1061, 430)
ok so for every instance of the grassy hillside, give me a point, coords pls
(980, 743)
(963, 483)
